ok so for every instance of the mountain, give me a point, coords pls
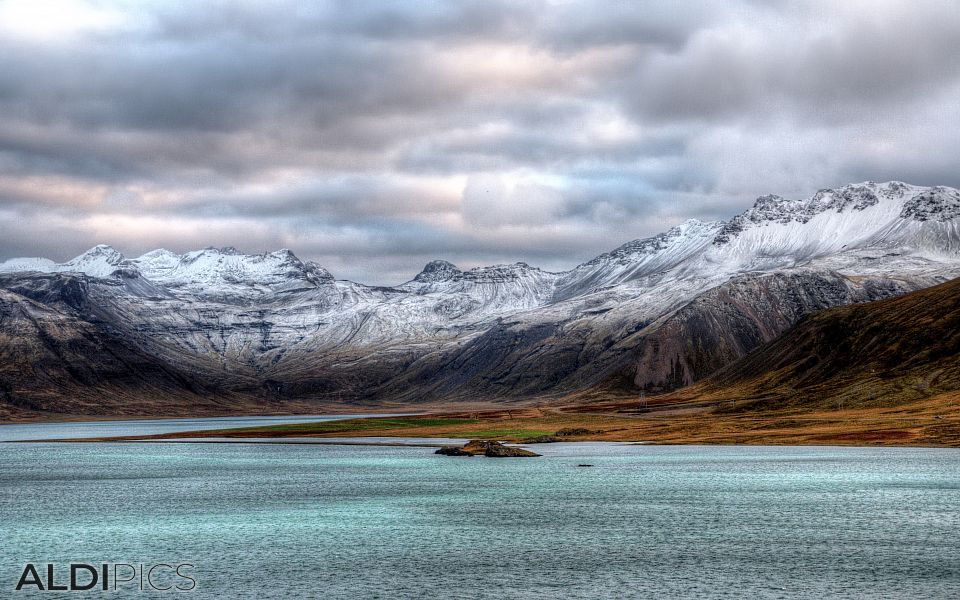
(54, 362)
(875, 354)
(654, 314)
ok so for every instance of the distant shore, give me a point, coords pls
(909, 425)
(321, 411)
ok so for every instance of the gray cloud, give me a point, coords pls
(376, 136)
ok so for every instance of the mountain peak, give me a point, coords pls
(100, 250)
(222, 272)
(437, 270)
(225, 250)
(101, 261)
(918, 203)
(158, 253)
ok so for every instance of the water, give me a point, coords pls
(91, 429)
(289, 521)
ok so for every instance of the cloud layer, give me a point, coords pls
(373, 137)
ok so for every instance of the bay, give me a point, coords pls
(292, 521)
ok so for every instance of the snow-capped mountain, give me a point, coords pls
(100, 261)
(640, 259)
(218, 271)
(654, 313)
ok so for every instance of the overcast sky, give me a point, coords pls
(373, 137)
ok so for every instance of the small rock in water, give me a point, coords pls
(453, 451)
(498, 450)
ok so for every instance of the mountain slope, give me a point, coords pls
(54, 363)
(876, 354)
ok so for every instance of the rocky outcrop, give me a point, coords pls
(489, 448)
(501, 451)
(453, 451)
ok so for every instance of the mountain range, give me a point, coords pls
(216, 330)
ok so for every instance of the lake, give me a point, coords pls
(88, 429)
(287, 521)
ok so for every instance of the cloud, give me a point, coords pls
(376, 136)
(863, 56)
(503, 200)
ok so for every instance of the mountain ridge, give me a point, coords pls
(938, 204)
(653, 314)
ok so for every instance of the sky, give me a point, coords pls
(373, 137)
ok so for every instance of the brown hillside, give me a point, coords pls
(876, 354)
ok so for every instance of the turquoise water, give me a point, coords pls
(288, 521)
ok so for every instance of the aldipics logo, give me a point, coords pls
(81, 577)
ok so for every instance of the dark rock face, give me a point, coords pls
(437, 270)
(53, 362)
(935, 204)
(57, 289)
(511, 359)
(516, 359)
(730, 321)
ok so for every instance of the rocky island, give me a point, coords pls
(489, 448)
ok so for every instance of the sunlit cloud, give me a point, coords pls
(56, 21)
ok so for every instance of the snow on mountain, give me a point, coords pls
(100, 261)
(777, 233)
(774, 233)
(494, 289)
(215, 271)
(639, 258)
(860, 228)
(40, 265)
(937, 203)
(157, 263)
(208, 272)
(436, 271)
